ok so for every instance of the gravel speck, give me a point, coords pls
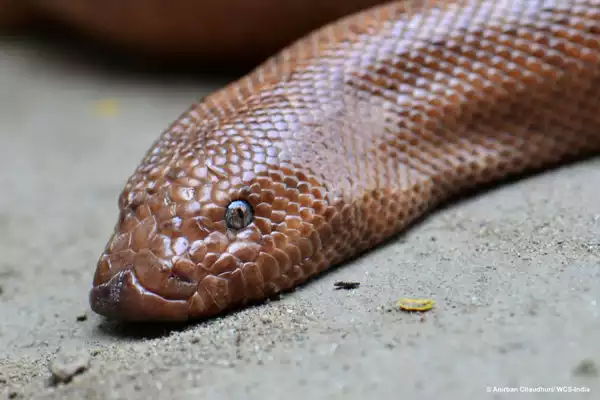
(67, 365)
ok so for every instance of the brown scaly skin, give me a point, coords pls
(342, 140)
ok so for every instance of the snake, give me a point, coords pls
(341, 140)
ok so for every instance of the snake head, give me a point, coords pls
(203, 232)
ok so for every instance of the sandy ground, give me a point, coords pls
(515, 273)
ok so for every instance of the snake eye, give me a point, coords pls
(239, 214)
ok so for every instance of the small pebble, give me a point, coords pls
(67, 365)
(346, 285)
(13, 394)
(586, 368)
(195, 339)
(82, 317)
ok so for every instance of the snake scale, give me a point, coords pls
(341, 140)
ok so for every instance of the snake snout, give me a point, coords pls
(123, 297)
(139, 277)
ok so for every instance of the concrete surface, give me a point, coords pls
(515, 272)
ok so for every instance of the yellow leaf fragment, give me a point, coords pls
(407, 304)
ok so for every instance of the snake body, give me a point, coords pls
(343, 139)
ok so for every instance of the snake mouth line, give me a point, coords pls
(123, 297)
